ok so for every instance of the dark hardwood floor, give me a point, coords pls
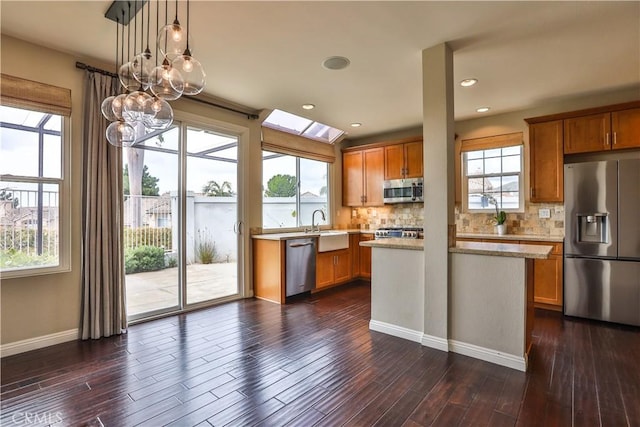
(315, 362)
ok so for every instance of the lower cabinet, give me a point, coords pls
(365, 257)
(547, 278)
(333, 268)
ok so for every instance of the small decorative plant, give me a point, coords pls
(501, 216)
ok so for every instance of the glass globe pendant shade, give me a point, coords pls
(121, 134)
(133, 109)
(142, 67)
(117, 105)
(162, 114)
(127, 80)
(192, 73)
(166, 82)
(107, 109)
(172, 40)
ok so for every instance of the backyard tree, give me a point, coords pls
(213, 189)
(149, 183)
(135, 163)
(281, 186)
(7, 196)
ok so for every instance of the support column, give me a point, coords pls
(438, 133)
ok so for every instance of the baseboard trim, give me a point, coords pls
(437, 343)
(396, 331)
(17, 347)
(489, 355)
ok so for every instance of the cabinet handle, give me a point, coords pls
(532, 192)
(606, 139)
(615, 138)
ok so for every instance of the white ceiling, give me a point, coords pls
(269, 54)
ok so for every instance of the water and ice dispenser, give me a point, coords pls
(592, 228)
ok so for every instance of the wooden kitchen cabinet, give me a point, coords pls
(403, 160)
(365, 257)
(269, 270)
(362, 177)
(333, 268)
(587, 133)
(614, 130)
(354, 246)
(548, 278)
(625, 125)
(546, 171)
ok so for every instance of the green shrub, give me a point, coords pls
(11, 259)
(143, 258)
(206, 248)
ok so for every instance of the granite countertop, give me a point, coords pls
(502, 249)
(301, 234)
(396, 243)
(530, 237)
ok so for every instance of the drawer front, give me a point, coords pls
(557, 246)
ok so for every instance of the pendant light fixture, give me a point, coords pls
(143, 106)
(190, 68)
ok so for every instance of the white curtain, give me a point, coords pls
(103, 289)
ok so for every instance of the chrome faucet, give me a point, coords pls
(313, 220)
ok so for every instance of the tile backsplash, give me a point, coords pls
(400, 215)
(410, 214)
(527, 222)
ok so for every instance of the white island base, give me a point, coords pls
(490, 314)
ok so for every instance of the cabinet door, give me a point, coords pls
(352, 178)
(365, 257)
(342, 266)
(546, 171)
(394, 161)
(324, 269)
(588, 133)
(413, 160)
(548, 276)
(626, 128)
(354, 247)
(373, 176)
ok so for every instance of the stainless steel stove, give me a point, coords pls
(400, 232)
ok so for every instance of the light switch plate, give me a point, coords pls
(544, 213)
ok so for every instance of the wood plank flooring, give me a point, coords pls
(315, 362)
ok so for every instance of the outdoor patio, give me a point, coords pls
(157, 290)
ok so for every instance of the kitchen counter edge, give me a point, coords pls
(523, 237)
(302, 234)
(502, 249)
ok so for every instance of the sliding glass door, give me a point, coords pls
(180, 220)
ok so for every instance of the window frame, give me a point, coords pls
(299, 226)
(491, 208)
(64, 202)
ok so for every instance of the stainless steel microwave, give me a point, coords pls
(403, 190)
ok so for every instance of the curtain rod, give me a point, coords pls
(251, 116)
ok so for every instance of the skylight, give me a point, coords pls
(287, 122)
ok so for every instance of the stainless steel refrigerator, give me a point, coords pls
(602, 243)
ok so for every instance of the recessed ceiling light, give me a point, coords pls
(308, 106)
(356, 125)
(336, 63)
(468, 82)
(483, 109)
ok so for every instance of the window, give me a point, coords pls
(493, 172)
(32, 180)
(293, 187)
(296, 125)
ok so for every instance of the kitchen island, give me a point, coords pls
(490, 297)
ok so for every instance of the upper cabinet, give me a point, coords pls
(362, 177)
(546, 172)
(403, 160)
(625, 125)
(613, 130)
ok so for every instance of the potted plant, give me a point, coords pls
(500, 217)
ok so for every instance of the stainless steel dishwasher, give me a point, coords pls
(300, 265)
